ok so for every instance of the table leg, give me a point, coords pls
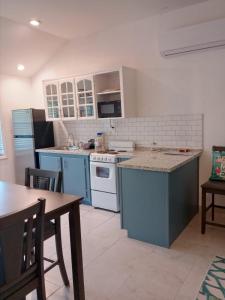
(76, 252)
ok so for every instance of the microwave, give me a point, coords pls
(109, 109)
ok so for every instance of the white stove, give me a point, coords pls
(103, 171)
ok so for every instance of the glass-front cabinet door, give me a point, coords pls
(52, 100)
(85, 98)
(67, 99)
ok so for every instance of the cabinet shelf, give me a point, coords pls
(84, 91)
(109, 92)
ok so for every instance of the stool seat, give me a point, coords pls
(214, 186)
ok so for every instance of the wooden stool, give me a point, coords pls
(214, 188)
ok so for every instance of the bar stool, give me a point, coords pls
(213, 187)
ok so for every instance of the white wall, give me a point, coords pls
(15, 93)
(182, 85)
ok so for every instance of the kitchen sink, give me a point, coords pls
(68, 148)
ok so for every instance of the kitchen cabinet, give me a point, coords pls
(156, 206)
(85, 97)
(76, 176)
(51, 163)
(52, 102)
(119, 185)
(67, 99)
(78, 97)
(116, 87)
(75, 172)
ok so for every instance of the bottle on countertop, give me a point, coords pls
(99, 142)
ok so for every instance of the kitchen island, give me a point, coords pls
(159, 193)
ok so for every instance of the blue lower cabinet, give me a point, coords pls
(75, 170)
(157, 206)
(51, 163)
(119, 188)
(76, 177)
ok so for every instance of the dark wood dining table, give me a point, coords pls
(15, 197)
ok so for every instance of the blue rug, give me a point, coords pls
(213, 287)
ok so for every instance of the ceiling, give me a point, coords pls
(62, 20)
(20, 44)
(73, 18)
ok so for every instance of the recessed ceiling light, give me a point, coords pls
(35, 23)
(20, 67)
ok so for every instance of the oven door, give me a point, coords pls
(103, 177)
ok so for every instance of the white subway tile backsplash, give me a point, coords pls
(165, 131)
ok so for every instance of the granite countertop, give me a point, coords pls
(144, 159)
(60, 150)
(158, 160)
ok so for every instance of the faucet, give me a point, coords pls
(70, 140)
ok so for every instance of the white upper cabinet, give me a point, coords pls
(52, 104)
(110, 94)
(85, 98)
(67, 99)
(115, 93)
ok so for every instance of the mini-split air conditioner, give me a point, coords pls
(186, 40)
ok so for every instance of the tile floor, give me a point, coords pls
(116, 267)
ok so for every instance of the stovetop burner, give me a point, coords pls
(116, 151)
(112, 152)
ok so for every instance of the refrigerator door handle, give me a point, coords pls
(23, 136)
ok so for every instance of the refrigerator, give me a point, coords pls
(31, 131)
